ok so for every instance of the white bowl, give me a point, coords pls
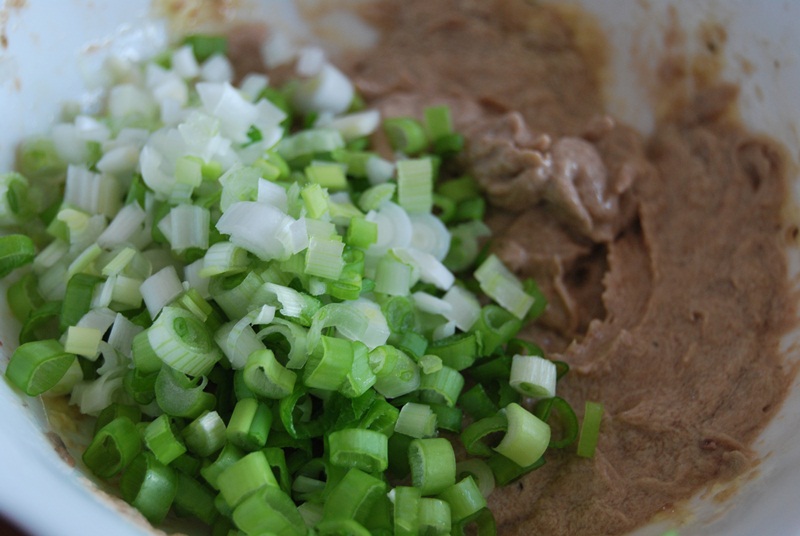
(52, 47)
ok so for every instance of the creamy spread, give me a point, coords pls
(663, 258)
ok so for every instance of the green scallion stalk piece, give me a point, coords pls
(527, 436)
(38, 366)
(496, 326)
(180, 396)
(566, 416)
(465, 499)
(23, 296)
(397, 374)
(360, 378)
(205, 435)
(161, 438)
(441, 387)
(482, 523)
(77, 299)
(503, 287)
(415, 185)
(295, 412)
(381, 417)
(229, 455)
(590, 429)
(393, 277)
(337, 527)
(480, 471)
(249, 424)
(533, 376)
(406, 510)
(183, 342)
(479, 437)
(117, 410)
(414, 344)
(505, 471)
(42, 323)
(434, 517)
(433, 465)
(477, 403)
(447, 417)
(416, 420)
(353, 496)
(16, 250)
(329, 364)
(458, 351)
(245, 476)
(367, 450)
(327, 175)
(204, 46)
(195, 499)
(267, 378)
(361, 233)
(149, 486)
(269, 511)
(405, 134)
(113, 448)
(438, 122)
(276, 459)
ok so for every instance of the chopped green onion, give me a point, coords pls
(15, 251)
(161, 439)
(405, 134)
(527, 436)
(205, 46)
(329, 364)
(249, 424)
(503, 287)
(443, 386)
(480, 471)
(23, 296)
(181, 396)
(465, 499)
(447, 417)
(438, 122)
(433, 465)
(149, 486)
(406, 510)
(267, 378)
(505, 471)
(416, 420)
(479, 435)
(269, 511)
(567, 419)
(83, 341)
(324, 258)
(353, 496)
(229, 455)
(434, 516)
(533, 376)
(205, 435)
(590, 429)
(113, 448)
(457, 351)
(361, 233)
(38, 366)
(415, 185)
(496, 326)
(245, 476)
(363, 449)
(194, 498)
(477, 403)
(183, 342)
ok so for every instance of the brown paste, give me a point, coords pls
(663, 258)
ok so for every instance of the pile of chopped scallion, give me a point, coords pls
(265, 316)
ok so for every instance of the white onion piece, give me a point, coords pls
(160, 289)
(328, 91)
(125, 224)
(394, 229)
(430, 235)
(356, 125)
(184, 63)
(254, 227)
(466, 308)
